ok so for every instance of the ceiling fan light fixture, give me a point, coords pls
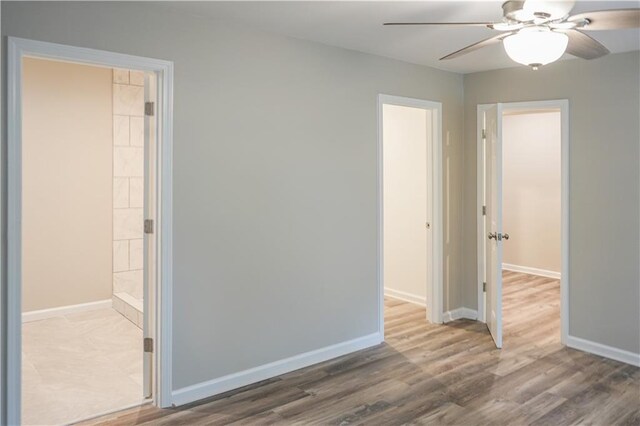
(535, 46)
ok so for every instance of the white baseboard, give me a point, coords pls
(407, 297)
(243, 378)
(64, 310)
(603, 350)
(460, 313)
(531, 271)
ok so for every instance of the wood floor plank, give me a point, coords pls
(431, 374)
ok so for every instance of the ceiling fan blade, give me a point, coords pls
(475, 46)
(608, 19)
(464, 24)
(583, 46)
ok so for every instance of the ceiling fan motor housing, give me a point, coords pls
(512, 8)
(530, 10)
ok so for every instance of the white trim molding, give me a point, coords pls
(531, 271)
(243, 378)
(64, 310)
(460, 313)
(405, 297)
(603, 350)
(18, 48)
(434, 285)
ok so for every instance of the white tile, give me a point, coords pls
(128, 282)
(140, 319)
(127, 224)
(136, 192)
(128, 161)
(131, 313)
(120, 256)
(78, 367)
(117, 304)
(136, 254)
(136, 131)
(128, 100)
(120, 192)
(120, 130)
(136, 78)
(120, 76)
(130, 300)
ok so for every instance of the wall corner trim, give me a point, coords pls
(243, 378)
(460, 313)
(406, 297)
(603, 350)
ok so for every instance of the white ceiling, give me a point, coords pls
(358, 26)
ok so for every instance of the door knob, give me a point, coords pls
(498, 236)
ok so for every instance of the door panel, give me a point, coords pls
(493, 220)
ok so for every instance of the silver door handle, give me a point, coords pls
(498, 236)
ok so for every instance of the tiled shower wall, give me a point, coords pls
(128, 191)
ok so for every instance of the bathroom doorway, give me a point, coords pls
(83, 142)
(88, 136)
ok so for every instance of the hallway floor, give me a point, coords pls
(79, 365)
(437, 374)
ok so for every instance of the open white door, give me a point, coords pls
(150, 239)
(493, 220)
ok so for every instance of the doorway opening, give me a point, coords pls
(83, 263)
(83, 257)
(410, 204)
(89, 191)
(523, 220)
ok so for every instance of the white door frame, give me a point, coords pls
(563, 106)
(434, 285)
(19, 48)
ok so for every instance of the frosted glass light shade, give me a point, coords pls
(535, 46)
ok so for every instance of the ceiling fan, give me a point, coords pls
(538, 32)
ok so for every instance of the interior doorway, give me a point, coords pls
(410, 203)
(83, 257)
(523, 217)
(88, 196)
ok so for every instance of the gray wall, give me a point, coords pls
(604, 110)
(275, 177)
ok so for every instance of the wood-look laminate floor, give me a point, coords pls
(438, 374)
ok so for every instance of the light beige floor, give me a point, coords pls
(79, 365)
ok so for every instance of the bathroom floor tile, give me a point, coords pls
(79, 365)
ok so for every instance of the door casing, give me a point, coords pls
(563, 106)
(19, 48)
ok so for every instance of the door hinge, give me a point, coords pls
(484, 133)
(148, 344)
(149, 108)
(484, 287)
(148, 226)
(484, 210)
